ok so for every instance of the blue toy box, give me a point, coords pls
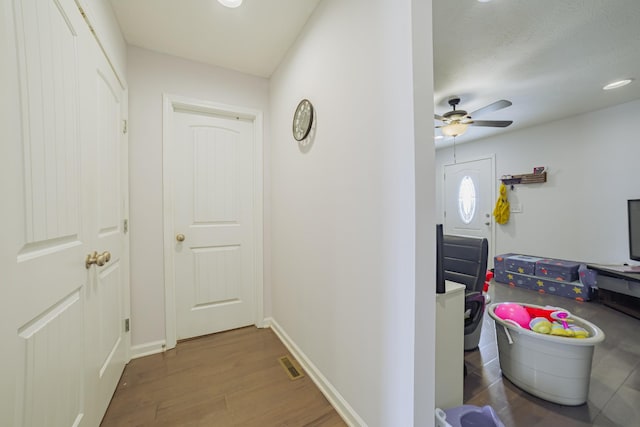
(509, 268)
(575, 290)
(522, 264)
(558, 269)
(500, 268)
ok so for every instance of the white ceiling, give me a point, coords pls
(252, 38)
(550, 58)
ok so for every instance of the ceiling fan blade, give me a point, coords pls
(437, 117)
(492, 123)
(498, 105)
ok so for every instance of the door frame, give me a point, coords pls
(492, 233)
(171, 103)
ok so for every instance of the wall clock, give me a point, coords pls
(302, 120)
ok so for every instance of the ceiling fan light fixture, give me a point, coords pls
(616, 85)
(454, 129)
(230, 3)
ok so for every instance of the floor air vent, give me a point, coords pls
(292, 367)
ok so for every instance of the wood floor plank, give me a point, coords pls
(232, 378)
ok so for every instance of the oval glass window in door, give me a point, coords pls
(466, 200)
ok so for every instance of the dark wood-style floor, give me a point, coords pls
(227, 379)
(614, 393)
(235, 379)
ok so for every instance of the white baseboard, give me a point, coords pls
(336, 400)
(147, 349)
(156, 347)
(264, 323)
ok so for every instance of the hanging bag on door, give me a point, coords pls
(501, 211)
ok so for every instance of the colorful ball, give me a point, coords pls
(514, 312)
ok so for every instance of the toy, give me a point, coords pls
(487, 279)
(513, 312)
(540, 325)
(561, 316)
(579, 332)
(546, 312)
(559, 330)
(548, 320)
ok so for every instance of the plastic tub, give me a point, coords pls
(468, 416)
(553, 368)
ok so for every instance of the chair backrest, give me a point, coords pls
(465, 261)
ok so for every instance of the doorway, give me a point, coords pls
(213, 217)
(469, 194)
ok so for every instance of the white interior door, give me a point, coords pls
(108, 291)
(51, 305)
(44, 235)
(468, 200)
(215, 285)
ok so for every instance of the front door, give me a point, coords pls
(215, 272)
(469, 195)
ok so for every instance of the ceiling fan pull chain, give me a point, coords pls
(454, 151)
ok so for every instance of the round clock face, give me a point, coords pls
(302, 120)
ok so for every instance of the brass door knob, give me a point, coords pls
(92, 258)
(180, 237)
(99, 260)
(103, 258)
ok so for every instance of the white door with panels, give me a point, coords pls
(213, 221)
(108, 287)
(62, 189)
(468, 200)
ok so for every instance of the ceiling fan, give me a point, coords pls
(456, 122)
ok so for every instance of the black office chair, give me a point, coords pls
(465, 262)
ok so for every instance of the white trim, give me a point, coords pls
(147, 349)
(336, 400)
(100, 36)
(170, 104)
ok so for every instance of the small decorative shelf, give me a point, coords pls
(527, 178)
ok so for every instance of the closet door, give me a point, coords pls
(51, 301)
(107, 288)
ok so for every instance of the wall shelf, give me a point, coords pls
(526, 178)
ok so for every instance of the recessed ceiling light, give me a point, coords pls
(484, 1)
(230, 3)
(616, 85)
(439, 137)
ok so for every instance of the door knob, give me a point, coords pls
(99, 260)
(92, 258)
(180, 237)
(103, 258)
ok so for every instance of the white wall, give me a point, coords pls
(424, 352)
(344, 205)
(580, 212)
(150, 75)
